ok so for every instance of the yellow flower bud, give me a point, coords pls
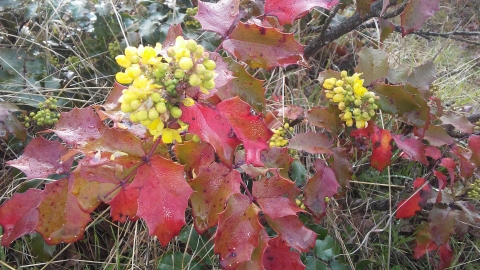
(339, 83)
(147, 53)
(141, 82)
(349, 122)
(360, 124)
(123, 61)
(133, 71)
(329, 95)
(329, 83)
(337, 98)
(131, 51)
(343, 73)
(347, 116)
(180, 42)
(158, 48)
(188, 102)
(123, 78)
(338, 90)
(359, 90)
(341, 105)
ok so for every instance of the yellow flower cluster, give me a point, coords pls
(474, 192)
(279, 138)
(352, 98)
(157, 81)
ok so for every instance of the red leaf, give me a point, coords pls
(313, 143)
(124, 205)
(173, 32)
(193, 155)
(9, 122)
(87, 192)
(280, 256)
(293, 233)
(433, 152)
(242, 84)
(163, 197)
(442, 179)
(276, 195)
(41, 158)
(466, 167)
(446, 256)
(256, 262)
(443, 221)
(325, 118)
(248, 127)
(61, 218)
(322, 185)
(342, 167)
(412, 147)
(238, 231)
(277, 158)
(474, 146)
(424, 242)
(459, 121)
(19, 215)
(450, 165)
(79, 126)
(212, 187)
(117, 140)
(218, 17)
(263, 47)
(382, 148)
(288, 10)
(409, 207)
(213, 128)
(416, 13)
(111, 103)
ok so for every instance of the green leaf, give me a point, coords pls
(299, 173)
(325, 249)
(336, 265)
(373, 63)
(177, 260)
(201, 246)
(314, 264)
(40, 249)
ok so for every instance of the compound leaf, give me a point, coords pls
(416, 13)
(19, 215)
(163, 197)
(218, 17)
(292, 232)
(321, 186)
(381, 148)
(264, 47)
(194, 154)
(409, 207)
(61, 219)
(278, 255)
(287, 11)
(79, 126)
(238, 231)
(42, 158)
(276, 195)
(212, 187)
(249, 128)
(313, 143)
(211, 126)
(373, 63)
